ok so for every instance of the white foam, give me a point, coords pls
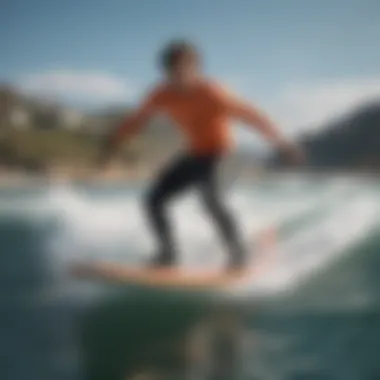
(116, 229)
(317, 246)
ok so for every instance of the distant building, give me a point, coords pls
(21, 112)
(8, 101)
(19, 118)
(72, 119)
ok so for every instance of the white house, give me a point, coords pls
(19, 118)
(71, 119)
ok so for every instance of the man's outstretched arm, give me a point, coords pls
(128, 129)
(260, 121)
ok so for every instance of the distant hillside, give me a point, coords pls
(36, 134)
(352, 143)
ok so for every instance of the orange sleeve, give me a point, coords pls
(147, 108)
(221, 96)
(248, 113)
(152, 101)
(235, 106)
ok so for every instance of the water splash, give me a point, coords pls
(115, 229)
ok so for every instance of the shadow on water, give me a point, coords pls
(129, 333)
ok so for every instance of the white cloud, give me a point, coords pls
(87, 85)
(310, 106)
(300, 107)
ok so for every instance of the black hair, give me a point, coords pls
(175, 51)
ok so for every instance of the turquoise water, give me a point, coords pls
(312, 315)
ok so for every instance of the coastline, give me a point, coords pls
(69, 173)
(135, 173)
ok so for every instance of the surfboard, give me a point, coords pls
(156, 277)
(172, 277)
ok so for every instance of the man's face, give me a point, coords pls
(184, 72)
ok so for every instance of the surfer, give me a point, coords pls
(201, 108)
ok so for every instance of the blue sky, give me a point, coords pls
(302, 60)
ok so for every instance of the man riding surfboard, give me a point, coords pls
(201, 109)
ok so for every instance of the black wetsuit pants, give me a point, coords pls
(182, 174)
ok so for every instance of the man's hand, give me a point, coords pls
(254, 117)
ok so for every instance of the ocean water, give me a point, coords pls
(313, 313)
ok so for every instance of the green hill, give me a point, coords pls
(351, 143)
